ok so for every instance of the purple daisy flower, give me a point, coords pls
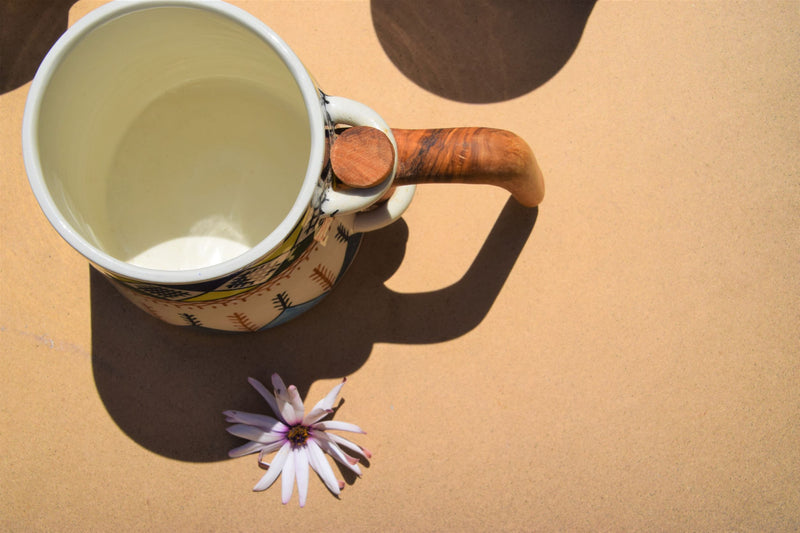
(300, 440)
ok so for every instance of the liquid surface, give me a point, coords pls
(204, 173)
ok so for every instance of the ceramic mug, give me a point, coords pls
(183, 149)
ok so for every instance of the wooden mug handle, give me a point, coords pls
(360, 158)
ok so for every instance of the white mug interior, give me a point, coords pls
(173, 143)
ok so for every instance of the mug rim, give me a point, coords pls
(30, 127)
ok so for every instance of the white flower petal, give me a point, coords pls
(317, 461)
(286, 410)
(287, 477)
(288, 413)
(269, 448)
(352, 446)
(274, 468)
(337, 425)
(301, 471)
(297, 405)
(254, 433)
(267, 423)
(246, 449)
(280, 388)
(325, 405)
(315, 415)
(334, 451)
(268, 396)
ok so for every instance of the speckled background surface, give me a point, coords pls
(626, 357)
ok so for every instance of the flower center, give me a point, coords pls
(298, 435)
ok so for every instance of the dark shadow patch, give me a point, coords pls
(480, 51)
(166, 386)
(28, 28)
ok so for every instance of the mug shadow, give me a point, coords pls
(166, 386)
(27, 31)
(479, 51)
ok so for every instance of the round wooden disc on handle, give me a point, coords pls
(362, 156)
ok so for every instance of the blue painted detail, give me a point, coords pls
(293, 312)
(353, 243)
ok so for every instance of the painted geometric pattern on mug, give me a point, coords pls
(303, 235)
(200, 312)
(298, 287)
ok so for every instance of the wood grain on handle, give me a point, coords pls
(452, 155)
(470, 155)
(362, 156)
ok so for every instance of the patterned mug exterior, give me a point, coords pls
(286, 273)
(287, 282)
